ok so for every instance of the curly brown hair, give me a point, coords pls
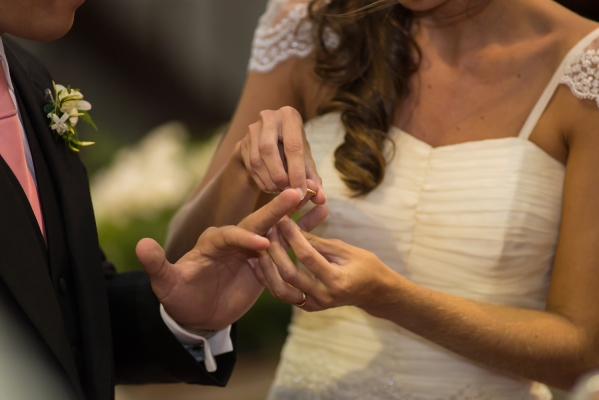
(371, 66)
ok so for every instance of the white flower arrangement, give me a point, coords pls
(151, 176)
(69, 104)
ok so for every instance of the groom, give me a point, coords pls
(88, 326)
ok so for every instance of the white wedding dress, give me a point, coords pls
(478, 220)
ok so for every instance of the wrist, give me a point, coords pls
(391, 297)
(236, 169)
(206, 333)
(185, 334)
(237, 160)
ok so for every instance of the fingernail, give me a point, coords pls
(253, 262)
(301, 192)
(269, 232)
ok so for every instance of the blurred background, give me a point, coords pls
(163, 77)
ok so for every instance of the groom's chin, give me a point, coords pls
(55, 32)
(44, 32)
(40, 20)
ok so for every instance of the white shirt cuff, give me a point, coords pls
(215, 345)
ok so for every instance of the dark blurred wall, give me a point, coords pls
(586, 8)
(144, 62)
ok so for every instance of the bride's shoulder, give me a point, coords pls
(580, 66)
(282, 47)
(575, 104)
(574, 41)
(284, 31)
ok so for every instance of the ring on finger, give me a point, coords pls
(303, 302)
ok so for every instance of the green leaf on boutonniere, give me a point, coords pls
(87, 119)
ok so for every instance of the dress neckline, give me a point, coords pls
(536, 112)
(474, 143)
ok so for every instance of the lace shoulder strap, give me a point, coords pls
(579, 70)
(283, 32)
(582, 74)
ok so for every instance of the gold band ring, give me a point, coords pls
(304, 298)
(312, 192)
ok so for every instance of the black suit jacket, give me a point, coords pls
(102, 328)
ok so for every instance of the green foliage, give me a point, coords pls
(264, 327)
(103, 152)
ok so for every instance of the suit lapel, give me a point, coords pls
(51, 214)
(24, 269)
(72, 188)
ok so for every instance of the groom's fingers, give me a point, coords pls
(255, 265)
(263, 219)
(152, 257)
(153, 260)
(229, 238)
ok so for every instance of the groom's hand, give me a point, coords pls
(213, 285)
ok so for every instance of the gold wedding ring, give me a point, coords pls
(304, 298)
(312, 192)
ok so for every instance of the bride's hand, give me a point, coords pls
(277, 155)
(342, 274)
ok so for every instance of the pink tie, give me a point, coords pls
(11, 148)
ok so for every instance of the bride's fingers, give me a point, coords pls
(273, 153)
(313, 218)
(294, 146)
(290, 274)
(245, 156)
(267, 147)
(256, 163)
(255, 264)
(309, 196)
(312, 186)
(277, 287)
(311, 173)
(305, 252)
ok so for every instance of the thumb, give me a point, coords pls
(151, 256)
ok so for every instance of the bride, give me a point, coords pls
(457, 143)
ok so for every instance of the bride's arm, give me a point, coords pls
(281, 78)
(555, 346)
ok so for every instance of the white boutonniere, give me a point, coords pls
(65, 109)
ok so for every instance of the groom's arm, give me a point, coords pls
(145, 350)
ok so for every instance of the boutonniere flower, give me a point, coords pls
(64, 111)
